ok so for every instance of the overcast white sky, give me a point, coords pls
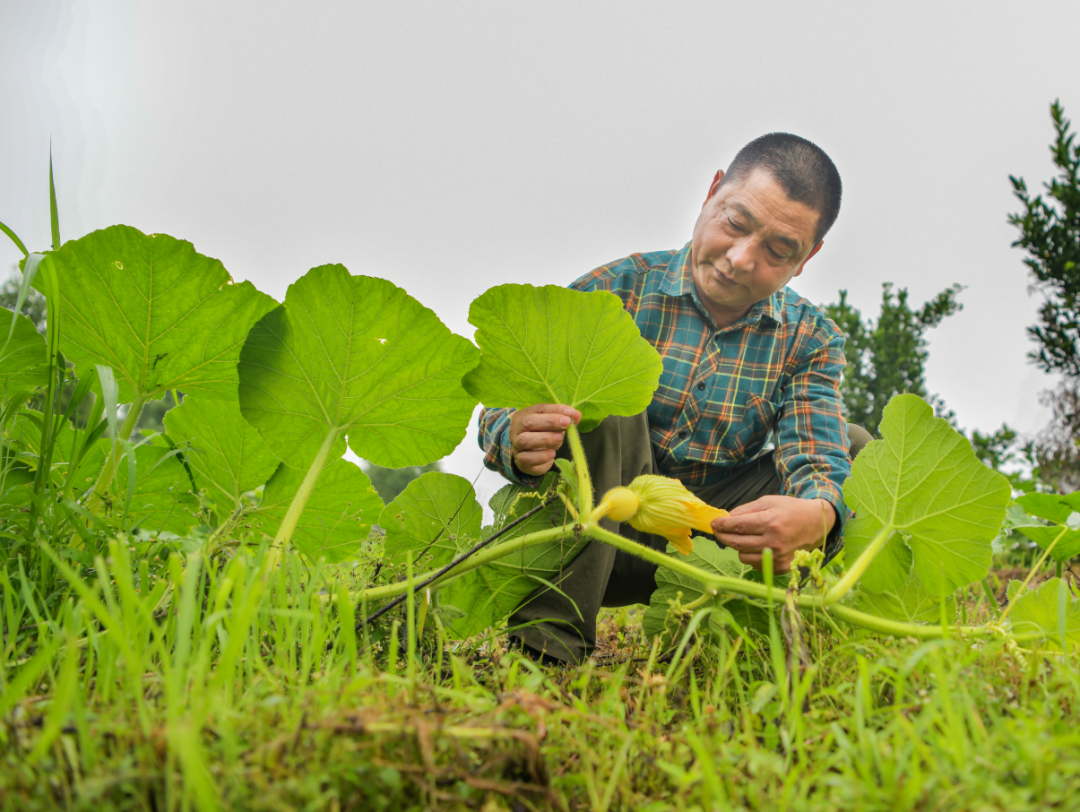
(450, 147)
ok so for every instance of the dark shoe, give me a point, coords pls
(541, 657)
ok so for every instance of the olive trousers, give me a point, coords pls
(562, 623)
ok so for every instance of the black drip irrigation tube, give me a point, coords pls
(428, 581)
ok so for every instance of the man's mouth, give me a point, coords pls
(723, 280)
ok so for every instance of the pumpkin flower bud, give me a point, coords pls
(662, 506)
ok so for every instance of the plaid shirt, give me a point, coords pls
(725, 392)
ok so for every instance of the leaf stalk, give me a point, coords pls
(483, 557)
(426, 582)
(585, 490)
(849, 579)
(1035, 569)
(108, 471)
(722, 583)
(714, 584)
(296, 507)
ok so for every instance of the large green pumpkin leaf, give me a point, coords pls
(160, 314)
(911, 603)
(675, 589)
(229, 458)
(20, 458)
(225, 453)
(435, 518)
(358, 357)
(338, 515)
(25, 432)
(1066, 542)
(23, 358)
(923, 484)
(556, 345)
(511, 502)
(1050, 609)
(163, 497)
(16, 486)
(489, 594)
(1050, 506)
(1062, 538)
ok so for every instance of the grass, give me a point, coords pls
(175, 684)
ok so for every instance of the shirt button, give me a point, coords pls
(683, 433)
(701, 386)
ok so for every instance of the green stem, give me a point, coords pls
(42, 477)
(493, 553)
(1031, 574)
(895, 628)
(105, 478)
(721, 583)
(706, 579)
(299, 502)
(223, 530)
(714, 584)
(847, 582)
(585, 492)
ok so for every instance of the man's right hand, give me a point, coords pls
(536, 433)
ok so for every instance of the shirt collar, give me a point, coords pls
(679, 282)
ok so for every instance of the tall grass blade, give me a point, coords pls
(185, 622)
(184, 742)
(110, 392)
(51, 289)
(62, 700)
(54, 216)
(14, 238)
(26, 678)
(30, 266)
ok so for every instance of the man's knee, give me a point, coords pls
(858, 437)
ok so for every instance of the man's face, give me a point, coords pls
(749, 241)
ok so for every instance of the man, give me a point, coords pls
(746, 360)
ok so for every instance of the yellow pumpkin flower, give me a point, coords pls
(662, 506)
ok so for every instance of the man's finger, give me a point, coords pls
(534, 463)
(546, 421)
(552, 409)
(747, 544)
(746, 524)
(758, 505)
(533, 458)
(530, 440)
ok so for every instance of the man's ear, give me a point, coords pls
(803, 263)
(716, 181)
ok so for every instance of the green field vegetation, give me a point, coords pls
(214, 609)
(275, 704)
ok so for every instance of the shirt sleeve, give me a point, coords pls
(494, 439)
(812, 457)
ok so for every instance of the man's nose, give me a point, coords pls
(742, 255)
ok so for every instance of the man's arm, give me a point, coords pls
(812, 462)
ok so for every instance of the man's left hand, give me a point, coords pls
(782, 524)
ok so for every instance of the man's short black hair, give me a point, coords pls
(803, 170)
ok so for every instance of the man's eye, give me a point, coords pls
(734, 225)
